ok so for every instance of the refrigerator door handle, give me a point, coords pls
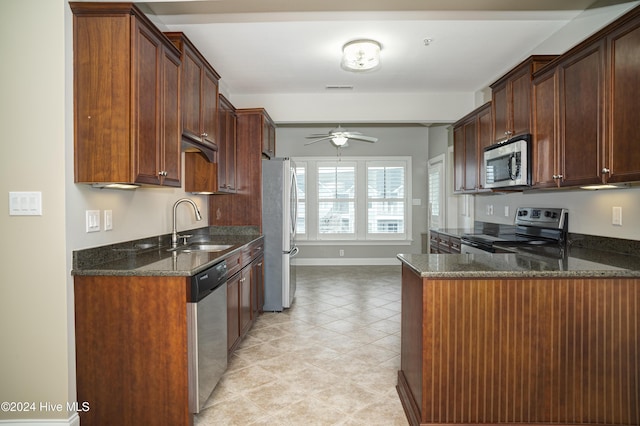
(292, 252)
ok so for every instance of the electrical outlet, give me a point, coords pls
(108, 220)
(616, 216)
(489, 209)
(506, 211)
(341, 252)
(92, 220)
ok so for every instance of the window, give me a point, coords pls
(336, 198)
(354, 198)
(385, 198)
(301, 175)
(436, 191)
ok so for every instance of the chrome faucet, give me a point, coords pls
(174, 234)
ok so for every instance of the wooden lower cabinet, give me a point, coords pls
(440, 243)
(536, 351)
(131, 350)
(245, 295)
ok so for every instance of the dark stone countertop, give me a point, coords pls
(576, 263)
(150, 257)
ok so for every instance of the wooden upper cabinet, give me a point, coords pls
(199, 95)
(471, 154)
(622, 162)
(126, 97)
(511, 99)
(458, 158)
(470, 135)
(268, 137)
(581, 86)
(485, 138)
(219, 177)
(226, 146)
(586, 116)
(544, 153)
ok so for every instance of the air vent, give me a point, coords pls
(338, 87)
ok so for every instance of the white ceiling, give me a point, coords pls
(294, 46)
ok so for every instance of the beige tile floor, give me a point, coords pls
(332, 359)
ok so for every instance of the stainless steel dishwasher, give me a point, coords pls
(206, 333)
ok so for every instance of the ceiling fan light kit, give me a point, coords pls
(361, 55)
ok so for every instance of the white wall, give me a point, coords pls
(589, 211)
(34, 360)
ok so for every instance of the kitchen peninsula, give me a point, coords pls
(513, 338)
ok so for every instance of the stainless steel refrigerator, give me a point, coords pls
(279, 215)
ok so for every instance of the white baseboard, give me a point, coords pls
(74, 420)
(345, 261)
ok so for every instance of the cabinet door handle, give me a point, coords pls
(558, 176)
(162, 173)
(204, 135)
(605, 171)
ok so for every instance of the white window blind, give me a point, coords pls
(336, 198)
(301, 174)
(385, 198)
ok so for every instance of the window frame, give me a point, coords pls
(361, 235)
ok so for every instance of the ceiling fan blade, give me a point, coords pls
(351, 133)
(319, 135)
(364, 138)
(318, 140)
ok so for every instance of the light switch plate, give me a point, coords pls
(25, 203)
(616, 216)
(108, 220)
(92, 220)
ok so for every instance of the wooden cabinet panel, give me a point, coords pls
(244, 207)
(458, 158)
(245, 293)
(485, 138)
(582, 116)
(471, 155)
(209, 106)
(131, 350)
(233, 311)
(257, 285)
(545, 134)
(511, 99)
(500, 105)
(623, 154)
(191, 90)
(226, 146)
(569, 122)
(536, 351)
(125, 97)
(470, 135)
(245, 300)
(199, 96)
(521, 103)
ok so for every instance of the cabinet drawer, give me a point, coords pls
(234, 263)
(454, 245)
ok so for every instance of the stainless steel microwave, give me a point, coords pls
(507, 165)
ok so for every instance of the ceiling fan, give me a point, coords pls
(339, 137)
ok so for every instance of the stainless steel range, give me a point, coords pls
(543, 227)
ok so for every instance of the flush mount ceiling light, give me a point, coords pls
(361, 55)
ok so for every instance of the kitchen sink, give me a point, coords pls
(196, 247)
